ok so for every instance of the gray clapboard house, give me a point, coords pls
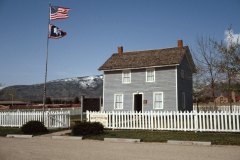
(159, 80)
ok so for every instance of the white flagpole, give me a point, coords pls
(46, 66)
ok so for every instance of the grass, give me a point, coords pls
(9, 130)
(153, 136)
(163, 136)
(13, 130)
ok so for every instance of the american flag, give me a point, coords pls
(58, 12)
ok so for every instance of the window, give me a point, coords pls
(158, 100)
(150, 75)
(183, 100)
(126, 76)
(118, 101)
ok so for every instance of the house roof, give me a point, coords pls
(148, 58)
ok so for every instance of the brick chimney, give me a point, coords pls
(180, 43)
(120, 50)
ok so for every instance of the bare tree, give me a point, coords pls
(206, 58)
(230, 59)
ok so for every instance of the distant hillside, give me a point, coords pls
(90, 86)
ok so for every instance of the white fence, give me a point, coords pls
(52, 119)
(175, 121)
(211, 107)
(73, 110)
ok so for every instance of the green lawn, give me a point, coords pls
(153, 136)
(9, 130)
(163, 136)
(14, 130)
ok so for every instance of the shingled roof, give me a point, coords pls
(148, 58)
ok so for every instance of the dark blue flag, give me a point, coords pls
(55, 32)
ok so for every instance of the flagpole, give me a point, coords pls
(46, 66)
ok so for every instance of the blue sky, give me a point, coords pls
(94, 30)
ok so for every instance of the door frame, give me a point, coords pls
(133, 100)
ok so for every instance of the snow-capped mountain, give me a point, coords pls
(89, 86)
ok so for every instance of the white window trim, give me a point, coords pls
(150, 69)
(117, 94)
(154, 93)
(130, 76)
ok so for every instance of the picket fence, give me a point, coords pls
(174, 121)
(52, 119)
(73, 110)
(211, 107)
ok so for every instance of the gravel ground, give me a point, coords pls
(45, 148)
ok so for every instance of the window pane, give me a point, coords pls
(158, 105)
(126, 77)
(159, 97)
(150, 75)
(118, 101)
(158, 100)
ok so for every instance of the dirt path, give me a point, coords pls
(44, 148)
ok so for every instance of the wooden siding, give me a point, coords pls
(165, 81)
(185, 85)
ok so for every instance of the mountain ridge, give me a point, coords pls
(89, 86)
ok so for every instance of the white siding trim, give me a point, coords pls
(103, 92)
(176, 89)
(140, 67)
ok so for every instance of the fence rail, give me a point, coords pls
(175, 121)
(52, 119)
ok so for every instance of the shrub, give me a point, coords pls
(34, 127)
(87, 128)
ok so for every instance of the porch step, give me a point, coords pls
(67, 137)
(18, 136)
(189, 143)
(122, 140)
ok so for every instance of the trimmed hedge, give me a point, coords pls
(34, 127)
(87, 128)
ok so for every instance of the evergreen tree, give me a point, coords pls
(48, 100)
(76, 100)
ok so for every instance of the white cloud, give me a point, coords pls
(230, 37)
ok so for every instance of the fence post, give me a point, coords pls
(113, 120)
(151, 115)
(196, 121)
(47, 118)
(88, 116)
